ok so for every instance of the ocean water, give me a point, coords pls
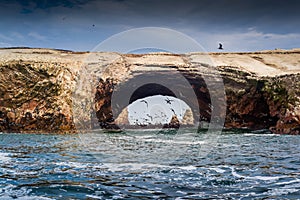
(149, 164)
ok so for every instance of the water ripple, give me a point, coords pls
(114, 166)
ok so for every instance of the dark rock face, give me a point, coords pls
(103, 95)
(246, 103)
(263, 103)
(33, 99)
(36, 96)
(283, 98)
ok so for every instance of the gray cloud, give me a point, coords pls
(264, 14)
(88, 21)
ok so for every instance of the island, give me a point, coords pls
(60, 91)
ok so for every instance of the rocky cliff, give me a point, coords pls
(44, 90)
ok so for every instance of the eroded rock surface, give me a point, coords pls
(40, 90)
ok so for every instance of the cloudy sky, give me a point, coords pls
(241, 25)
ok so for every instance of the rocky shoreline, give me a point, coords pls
(37, 87)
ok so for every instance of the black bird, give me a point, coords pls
(145, 102)
(173, 111)
(93, 25)
(220, 46)
(150, 117)
(168, 101)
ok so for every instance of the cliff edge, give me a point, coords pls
(37, 87)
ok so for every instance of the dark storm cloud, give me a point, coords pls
(45, 4)
(84, 20)
(279, 16)
(266, 15)
(263, 13)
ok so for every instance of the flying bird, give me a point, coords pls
(173, 111)
(220, 46)
(145, 102)
(150, 117)
(168, 101)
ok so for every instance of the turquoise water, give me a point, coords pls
(150, 165)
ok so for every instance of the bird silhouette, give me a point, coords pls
(220, 46)
(168, 101)
(173, 111)
(150, 117)
(145, 102)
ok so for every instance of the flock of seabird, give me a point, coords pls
(168, 101)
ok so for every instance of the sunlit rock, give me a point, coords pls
(44, 90)
(188, 118)
(174, 123)
(123, 118)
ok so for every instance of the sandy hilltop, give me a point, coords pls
(37, 87)
(263, 63)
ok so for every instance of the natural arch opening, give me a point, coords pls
(156, 111)
(113, 96)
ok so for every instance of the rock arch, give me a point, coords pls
(112, 96)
